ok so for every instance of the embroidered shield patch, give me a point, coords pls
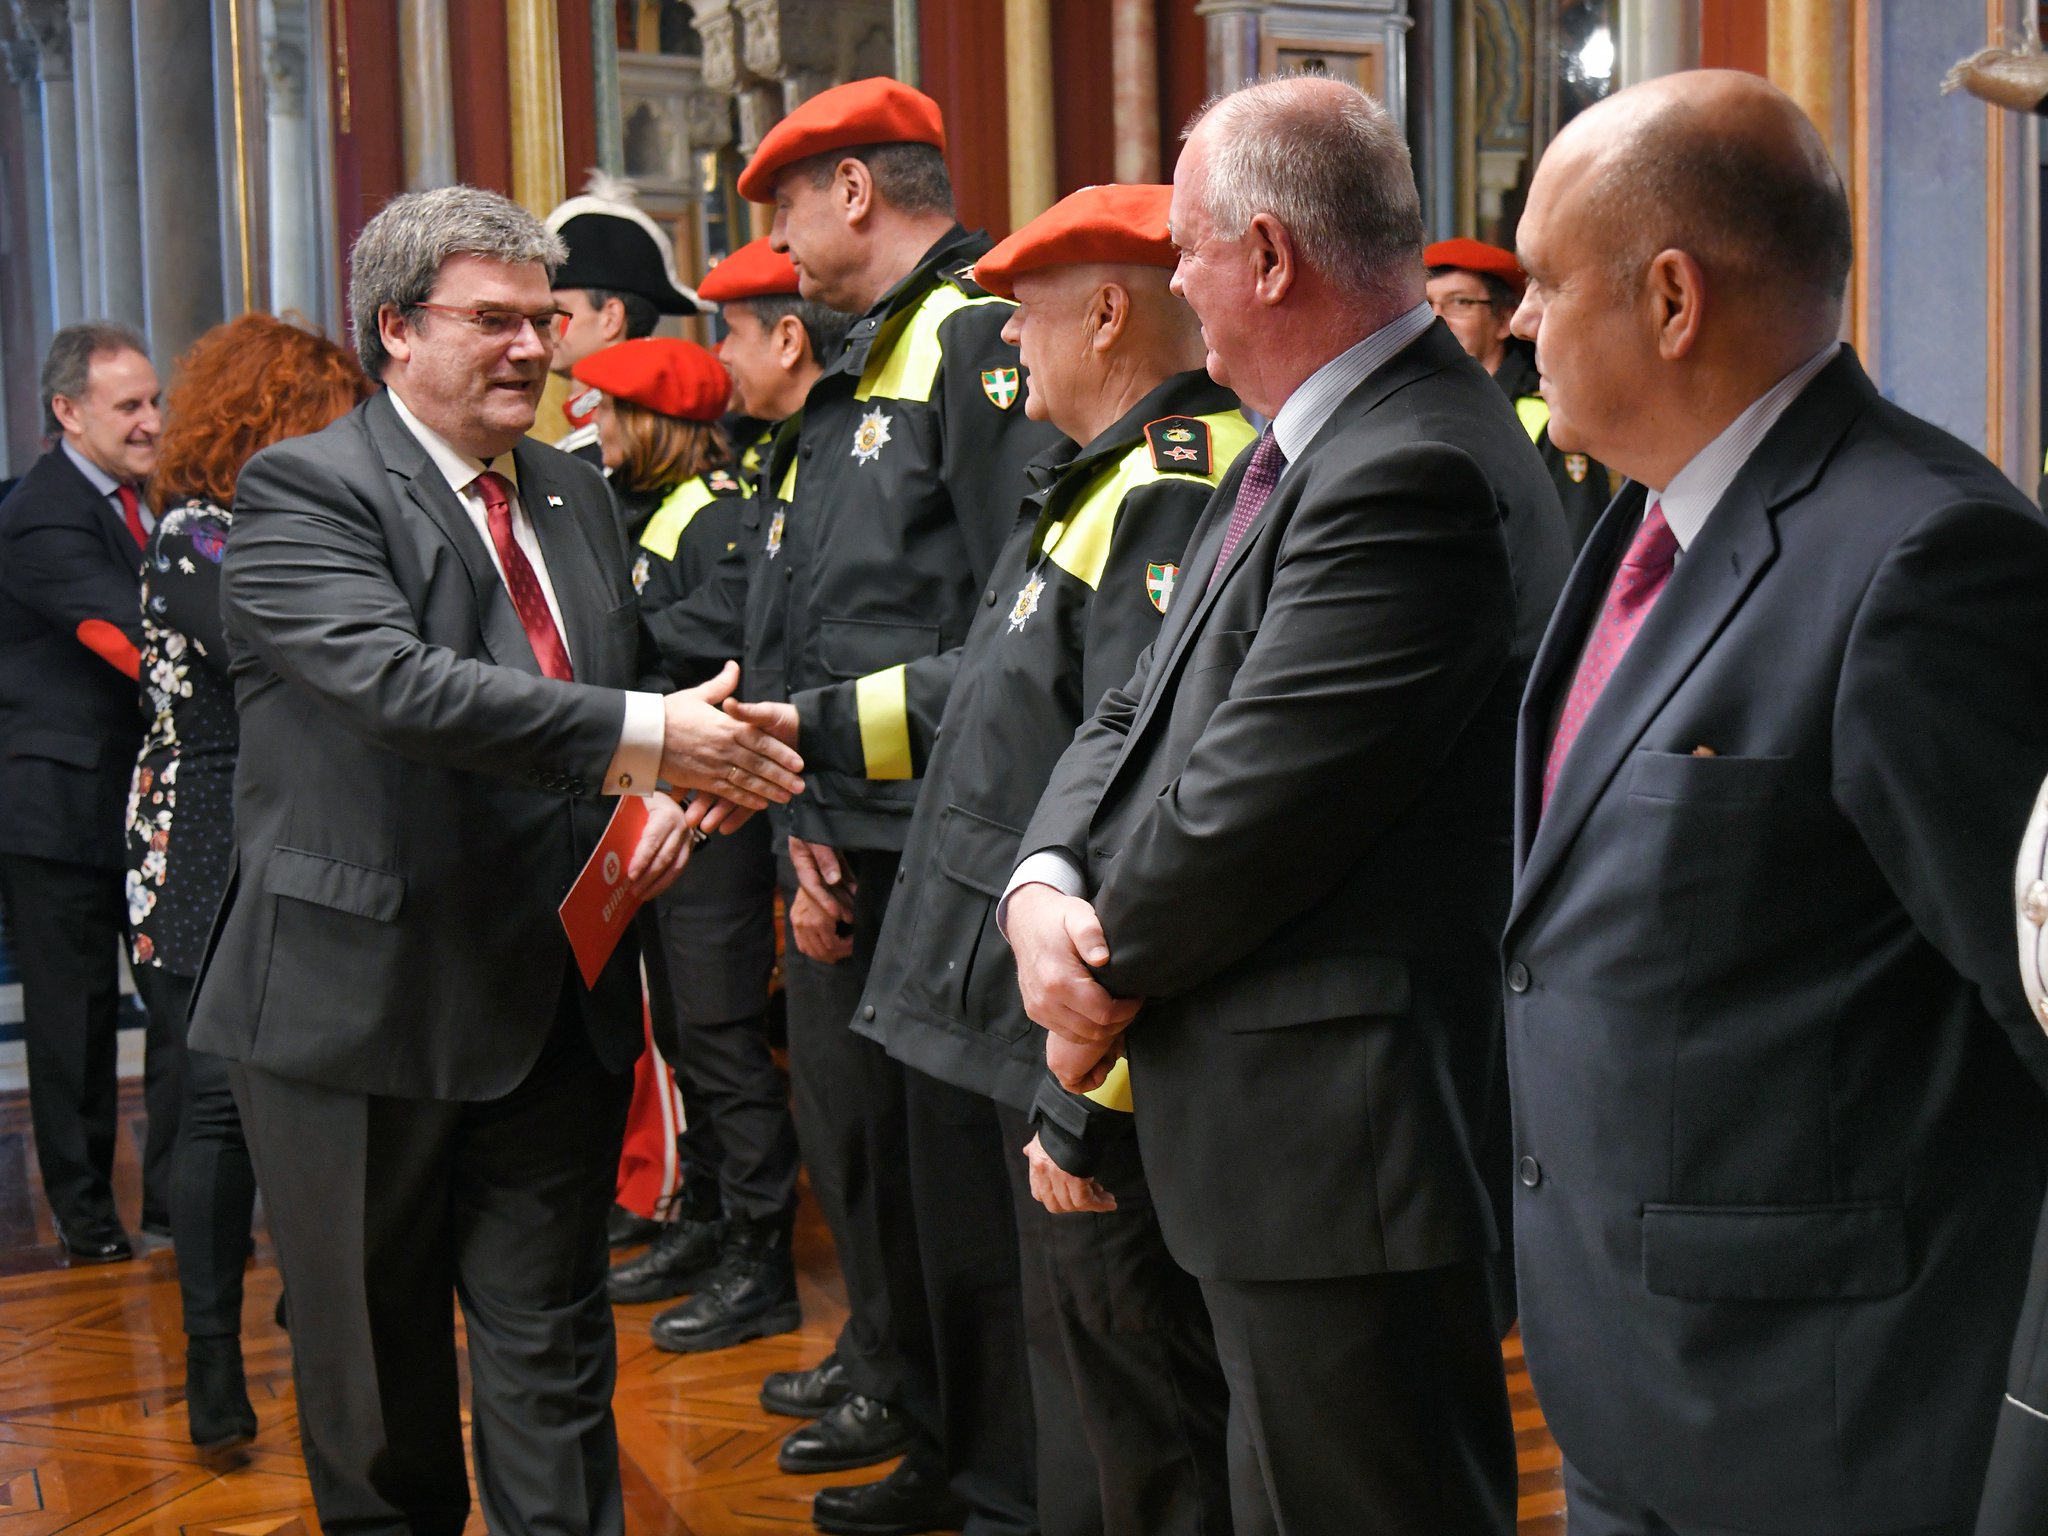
(1160, 580)
(1576, 465)
(1000, 385)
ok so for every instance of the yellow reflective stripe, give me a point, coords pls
(1080, 545)
(787, 490)
(1535, 413)
(1115, 1092)
(882, 701)
(664, 530)
(903, 363)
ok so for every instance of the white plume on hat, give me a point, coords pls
(617, 198)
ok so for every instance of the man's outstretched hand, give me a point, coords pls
(704, 748)
(1056, 939)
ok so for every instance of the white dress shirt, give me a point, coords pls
(108, 487)
(636, 765)
(1295, 425)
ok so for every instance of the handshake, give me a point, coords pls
(739, 758)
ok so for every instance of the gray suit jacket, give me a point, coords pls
(413, 798)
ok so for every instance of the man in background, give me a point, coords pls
(71, 537)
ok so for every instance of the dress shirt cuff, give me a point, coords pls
(636, 766)
(1047, 867)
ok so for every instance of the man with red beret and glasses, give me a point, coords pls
(1130, 1418)
(1474, 288)
(912, 447)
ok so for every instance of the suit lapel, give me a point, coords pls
(1736, 546)
(565, 546)
(504, 637)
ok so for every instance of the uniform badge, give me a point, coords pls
(720, 482)
(1027, 602)
(1576, 465)
(1000, 385)
(775, 534)
(640, 569)
(580, 409)
(1180, 445)
(870, 435)
(1160, 580)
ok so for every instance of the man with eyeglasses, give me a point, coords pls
(1474, 287)
(617, 283)
(436, 649)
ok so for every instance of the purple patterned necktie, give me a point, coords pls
(1260, 476)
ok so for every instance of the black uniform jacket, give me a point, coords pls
(413, 798)
(680, 542)
(1294, 822)
(1076, 594)
(911, 453)
(1779, 1164)
(1583, 485)
(70, 721)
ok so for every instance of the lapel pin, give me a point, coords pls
(554, 501)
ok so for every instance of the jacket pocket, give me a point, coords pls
(326, 882)
(1713, 780)
(979, 853)
(1850, 1252)
(57, 746)
(1225, 648)
(1306, 992)
(856, 647)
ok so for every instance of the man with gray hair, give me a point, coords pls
(71, 537)
(1273, 869)
(435, 650)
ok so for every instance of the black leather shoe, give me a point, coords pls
(858, 1433)
(95, 1240)
(216, 1394)
(750, 1295)
(623, 1228)
(807, 1394)
(905, 1503)
(683, 1253)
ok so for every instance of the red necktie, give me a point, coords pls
(131, 513)
(520, 581)
(1260, 476)
(1637, 582)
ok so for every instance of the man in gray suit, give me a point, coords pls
(435, 648)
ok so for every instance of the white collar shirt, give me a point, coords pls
(107, 486)
(1316, 398)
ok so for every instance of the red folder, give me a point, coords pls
(600, 905)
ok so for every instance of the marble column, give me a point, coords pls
(426, 97)
(92, 292)
(1027, 75)
(122, 294)
(1134, 54)
(908, 62)
(534, 59)
(48, 24)
(23, 68)
(294, 242)
(179, 185)
(1658, 37)
(604, 64)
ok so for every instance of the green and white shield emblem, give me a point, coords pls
(1160, 580)
(1000, 385)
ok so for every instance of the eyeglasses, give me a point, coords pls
(504, 324)
(1458, 304)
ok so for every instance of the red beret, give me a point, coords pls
(675, 378)
(751, 272)
(1114, 223)
(1475, 256)
(873, 111)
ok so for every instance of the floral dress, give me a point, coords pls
(182, 798)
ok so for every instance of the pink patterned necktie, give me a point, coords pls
(1641, 577)
(527, 597)
(1260, 476)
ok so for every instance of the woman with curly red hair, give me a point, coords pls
(242, 386)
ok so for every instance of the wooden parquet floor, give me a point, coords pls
(92, 1414)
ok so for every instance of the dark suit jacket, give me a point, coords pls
(413, 799)
(1779, 1165)
(70, 722)
(1294, 823)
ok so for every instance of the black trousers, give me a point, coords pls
(1130, 1398)
(384, 1208)
(1366, 1403)
(708, 967)
(167, 1000)
(67, 921)
(1589, 1511)
(211, 1186)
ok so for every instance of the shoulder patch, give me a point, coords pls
(962, 277)
(723, 482)
(1180, 445)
